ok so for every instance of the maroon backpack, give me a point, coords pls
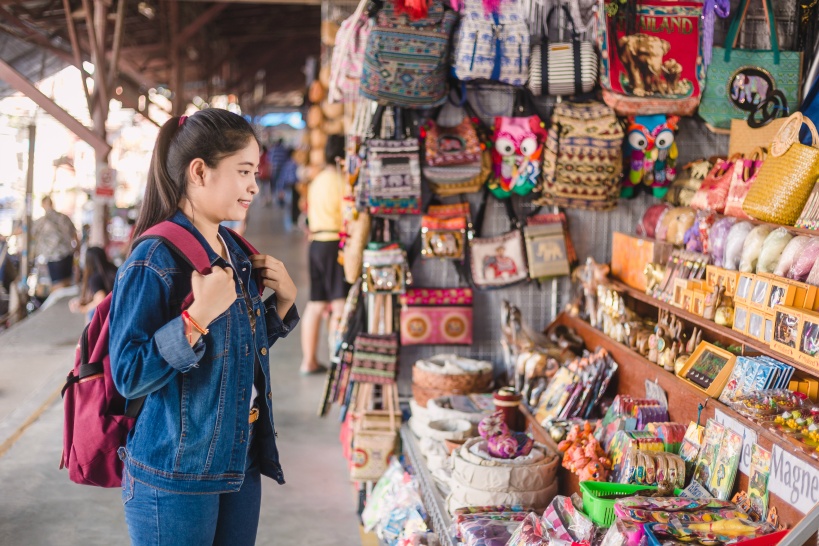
(96, 420)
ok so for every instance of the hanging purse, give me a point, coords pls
(385, 269)
(500, 261)
(741, 81)
(436, 316)
(393, 169)
(658, 69)
(449, 181)
(745, 173)
(348, 56)
(562, 68)
(786, 178)
(583, 157)
(451, 146)
(546, 252)
(443, 231)
(375, 358)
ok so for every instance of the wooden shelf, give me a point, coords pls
(708, 326)
(684, 400)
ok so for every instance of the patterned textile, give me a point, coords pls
(405, 62)
(448, 146)
(492, 46)
(348, 56)
(394, 173)
(375, 358)
(583, 161)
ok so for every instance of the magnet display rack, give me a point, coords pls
(433, 501)
(684, 399)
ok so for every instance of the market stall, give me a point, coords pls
(580, 239)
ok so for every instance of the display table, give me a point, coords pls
(433, 501)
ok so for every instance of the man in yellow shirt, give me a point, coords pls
(327, 285)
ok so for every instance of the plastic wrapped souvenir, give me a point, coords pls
(718, 236)
(804, 262)
(696, 238)
(813, 276)
(752, 248)
(772, 249)
(793, 249)
(674, 224)
(487, 532)
(652, 154)
(734, 244)
(760, 404)
(651, 219)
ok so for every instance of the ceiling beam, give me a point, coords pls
(21, 84)
(203, 19)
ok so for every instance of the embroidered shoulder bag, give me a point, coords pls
(393, 169)
(500, 261)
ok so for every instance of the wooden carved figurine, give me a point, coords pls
(712, 302)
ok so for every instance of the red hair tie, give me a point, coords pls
(182, 120)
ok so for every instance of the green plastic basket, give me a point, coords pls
(601, 511)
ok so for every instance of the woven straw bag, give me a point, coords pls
(787, 176)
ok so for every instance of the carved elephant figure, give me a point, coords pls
(749, 89)
(642, 57)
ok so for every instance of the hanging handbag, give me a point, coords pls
(436, 316)
(347, 62)
(583, 157)
(374, 433)
(500, 261)
(745, 173)
(743, 80)
(658, 69)
(546, 250)
(406, 61)
(713, 192)
(451, 146)
(492, 45)
(443, 231)
(786, 178)
(375, 358)
(385, 268)
(393, 169)
(448, 181)
(562, 68)
(516, 155)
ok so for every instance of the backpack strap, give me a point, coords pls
(250, 250)
(184, 244)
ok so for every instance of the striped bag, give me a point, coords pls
(375, 358)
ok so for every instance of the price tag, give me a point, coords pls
(749, 438)
(794, 480)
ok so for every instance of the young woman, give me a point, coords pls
(205, 433)
(98, 277)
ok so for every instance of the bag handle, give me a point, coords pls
(788, 134)
(733, 31)
(544, 50)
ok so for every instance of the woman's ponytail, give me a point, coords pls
(162, 192)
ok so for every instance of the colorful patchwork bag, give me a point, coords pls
(451, 146)
(492, 45)
(713, 192)
(406, 61)
(658, 69)
(348, 56)
(375, 358)
(443, 231)
(500, 261)
(741, 81)
(745, 173)
(516, 155)
(393, 170)
(436, 316)
(583, 157)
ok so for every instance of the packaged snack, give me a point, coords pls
(772, 249)
(768, 403)
(718, 237)
(752, 248)
(734, 244)
(793, 249)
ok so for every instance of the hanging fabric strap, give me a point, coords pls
(544, 51)
(739, 19)
(497, 34)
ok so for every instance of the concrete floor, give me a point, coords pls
(40, 506)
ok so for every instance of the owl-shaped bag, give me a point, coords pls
(516, 155)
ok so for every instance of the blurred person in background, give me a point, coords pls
(328, 288)
(55, 238)
(289, 176)
(98, 277)
(278, 157)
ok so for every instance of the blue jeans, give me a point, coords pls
(157, 518)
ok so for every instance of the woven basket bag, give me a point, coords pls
(787, 176)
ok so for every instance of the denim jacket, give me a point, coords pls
(191, 435)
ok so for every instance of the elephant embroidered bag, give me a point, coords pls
(436, 316)
(517, 155)
(658, 68)
(500, 261)
(741, 81)
(393, 170)
(492, 45)
(406, 60)
(443, 231)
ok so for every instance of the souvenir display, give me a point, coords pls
(652, 154)
(687, 183)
